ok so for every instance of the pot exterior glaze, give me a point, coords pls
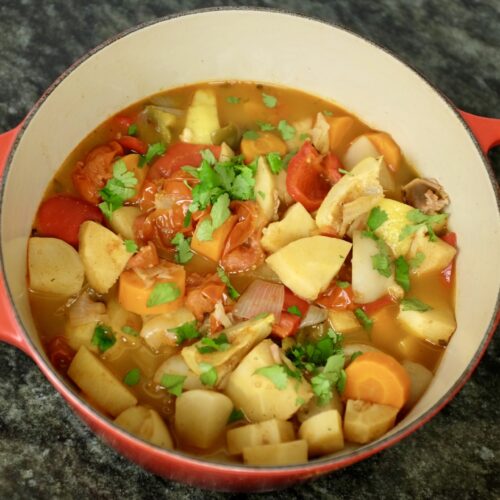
(361, 77)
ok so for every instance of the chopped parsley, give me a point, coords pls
(304, 136)
(132, 130)
(118, 189)
(265, 126)
(419, 220)
(233, 293)
(376, 218)
(233, 99)
(132, 377)
(277, 374)
(333, 375)
(130, 331)
(131, 246)
(364, 319)
(187, 331)
(173, 383)
(417, 261)
(235, 416)
(208, 156)
(402, 273)
(414, 305)
(251, 135)
(287, 131)
(183, 252)
(156, 149)
(275, 162)
(327, 112)
(163, 293)
(295, 311)
(103, 337)
(209, 344)
(269, 100)
(208, 374)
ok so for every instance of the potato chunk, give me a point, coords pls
(257, 395)
(268, 432)
(364, 422)
(201, 417)
(323, 433)
(78, 335)
(296, 224)
(99, 383)
(434, 325)
(103, 254)
(292, 452)
(202, 118)
(437, 254)
(122, 221)
(147, 424)
(313, 408)
(54, 267)
(420, 378)
(307, 266)
(343, 321)
(266, 193)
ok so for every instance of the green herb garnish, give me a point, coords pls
(287, 131)
(213, 344)
(343, 171)
(251, 135)
(130, 246)
(419, 220)
(381, 261)
(327, 112)
(173, 383)
(103, 337)
(275, 162)
(269, 100)
(235, 416)
(208, 374)
(265, 126)
(130, 331)
(156, 149)
(132, 130)
(276, 374)
(333, 375)
(295, 311)
(343, 284)
(376, 218)
(304, 136)
(187, 331)
(183, 252)
(414, 305)
(118, 189)
(233, 293)
(355, 355)
(132, 377)
(402, 273)
(364, 319)
(417, 261)
(233, 99)
(163, 293)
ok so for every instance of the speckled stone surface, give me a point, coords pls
(46, 452)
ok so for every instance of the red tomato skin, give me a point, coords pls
(179, 155)
(331, 165)
(450, 238)
(61, 217)
(338, 298)
(372, 307)
(287, 326)
(123, 122)
(304, 181)
(133, 144)
(292, 300)
(60, 353)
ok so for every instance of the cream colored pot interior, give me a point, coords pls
(295, 52)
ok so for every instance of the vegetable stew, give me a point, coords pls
(244, 272)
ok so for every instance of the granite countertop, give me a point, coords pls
(47, 452)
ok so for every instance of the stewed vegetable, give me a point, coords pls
(244, 272)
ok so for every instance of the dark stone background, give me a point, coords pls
(46, 452)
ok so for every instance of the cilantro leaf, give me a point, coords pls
(163, 293)
(287, 131)
(416, 261)
(327, 112)
(130, 246)
(419, 220)
(381, 261)
(333, 375)
(288, 157)
(226, 174)
(276, 374)
(220, 211)
(130, 331)
(233, 99)
(235, 416)
(343, 171)
(173, 383)
(364, 319)
(304, 136)
(269, 100)
(187, 219)
(251, 135)
(233, 293)
(132, 129)
(295, 311)
(156, 149)
(402, 273)
(208, 344)
(355, 355)
(265, 126)
(208, 374)
(275, 162)
(343, 284)
(376, 218)
(243, 185)
(205, 230)
(414, 305)
(103, 337)
(208, 156)
(132, 377)
(262, 194)
(187, 331)
(183, 252)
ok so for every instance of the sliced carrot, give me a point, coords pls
(377, 378)
(213, 248)
(386, 146)
(342, 131)
(264, 144)
(133, 293)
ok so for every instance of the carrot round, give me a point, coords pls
(265, 143)
(377, 378)
(133, 294)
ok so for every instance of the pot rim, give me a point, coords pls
(324, 463)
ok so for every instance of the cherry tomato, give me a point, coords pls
(146, 257)
(202, 297)
(304, 181)
(287, 326)
(372, 307)
(61, 217)
(292, 300)
(338, 298)
(60, 353)
(331, 165)
(123, 122)
(179, 155)
(133, 144)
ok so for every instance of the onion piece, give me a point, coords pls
(261, 297)
(221, 316)
(314, 316)
(84, 310)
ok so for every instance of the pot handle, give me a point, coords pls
(486, 130)
(10, 331)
